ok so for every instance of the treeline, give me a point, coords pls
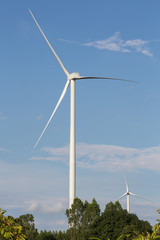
(85, 221)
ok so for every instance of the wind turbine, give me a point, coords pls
(128, 193)
(71, 78)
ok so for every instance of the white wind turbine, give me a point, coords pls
(71, 78)
(128, 193)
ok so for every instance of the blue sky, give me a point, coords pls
(117, 123)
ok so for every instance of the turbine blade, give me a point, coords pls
(117, 79)
(59, 101)
(135, 195)
(122, 196)
(64, 69)
(127, 189)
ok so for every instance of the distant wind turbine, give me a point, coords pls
(128, 193)
(71, 78)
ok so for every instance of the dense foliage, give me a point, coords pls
(28, 227)
(85, 221)
(115, 221)
(9, 228)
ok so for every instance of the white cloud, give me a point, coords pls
(3, 150)
(57, 154)
(68, 41)
(2, 117)
(106, 157)
(47, 158)
(56, 151)
(47, 206)
(40, 117)
(115, 43)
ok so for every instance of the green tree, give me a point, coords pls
(80, 218)
(62, 235)
(90, 214)
(9, 228)
(44, 235)
(156, 228)
(115, 222)
(27, 223)
(154, 235)
(75, 214)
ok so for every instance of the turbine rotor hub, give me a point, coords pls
(73, 76)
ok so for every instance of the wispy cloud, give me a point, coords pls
(115, 43)
(39, 117)
(47, 206)
(3, 150)
(2, 117)
(106, 157)
(68, 41)
(55, 154)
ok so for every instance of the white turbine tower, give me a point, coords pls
(128, 193)
(71, 78)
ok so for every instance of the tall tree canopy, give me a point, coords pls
(115, 221)
(28, 226)
(80, 217)
(86, 221)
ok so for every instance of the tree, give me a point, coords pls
(90, 214)
(156, 228)
(44, 235)
(9, 228)
(86, 222)
(62, 235)
(74, 215)
(154, 235)
(80, 218)
(115, 221)
(27, 223)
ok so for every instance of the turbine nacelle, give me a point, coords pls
(73, 76)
